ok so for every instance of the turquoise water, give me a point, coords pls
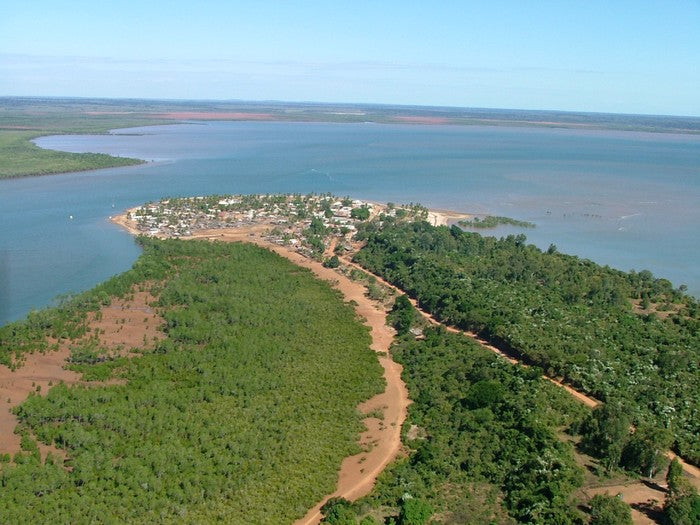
(625, 199)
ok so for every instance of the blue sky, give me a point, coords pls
(610, 56)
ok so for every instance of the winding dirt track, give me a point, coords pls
(355, 481)
(382, 439)
(692, 471)
(583, 398)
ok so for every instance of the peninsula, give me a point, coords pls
(357, 236)
(127, 383)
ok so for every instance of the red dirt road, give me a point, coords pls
(382, 438)
(353, 484)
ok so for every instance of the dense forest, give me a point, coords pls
(484, 442)
(629, 339)
(227, 419)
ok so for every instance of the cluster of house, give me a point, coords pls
(289, 216)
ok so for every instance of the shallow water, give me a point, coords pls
(625, 199)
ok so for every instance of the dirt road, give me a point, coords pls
(691, 471)
(382, 438)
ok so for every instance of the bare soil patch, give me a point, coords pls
(119, 327)
(661, 310)
(416, 119)
(127, 324)
(34, 376)
(645, 498)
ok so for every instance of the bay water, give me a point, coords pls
(630, 200)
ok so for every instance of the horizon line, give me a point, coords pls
(338, 103)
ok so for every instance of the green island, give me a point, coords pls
(25, 119)
(225, 419)
(20, 157)
(492, 221)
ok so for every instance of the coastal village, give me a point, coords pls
(310, 224)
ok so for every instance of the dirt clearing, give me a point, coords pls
(119, 327)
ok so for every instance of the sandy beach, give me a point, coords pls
(446, 217)
(125, 223)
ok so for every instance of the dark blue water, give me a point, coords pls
(625, 199)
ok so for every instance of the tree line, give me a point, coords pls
(571, 317)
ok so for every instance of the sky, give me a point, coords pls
(618, 56)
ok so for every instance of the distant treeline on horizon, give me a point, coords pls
(351, 112)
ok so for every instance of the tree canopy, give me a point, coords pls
(569, 316)
(242, 414)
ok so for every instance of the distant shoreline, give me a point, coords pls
(25, 118)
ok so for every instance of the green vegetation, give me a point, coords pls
(484, 442)
(19, 157)
(609, 435)
(22, 120)
(609, 510)
(402, 315)
(571, 317)
(682, 505)
(227, 419)
(491, 221)
(338, 511)
(332, 262)
(361, 214)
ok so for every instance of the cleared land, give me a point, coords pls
(122, 325)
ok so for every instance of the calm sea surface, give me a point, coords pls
(630, 200)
